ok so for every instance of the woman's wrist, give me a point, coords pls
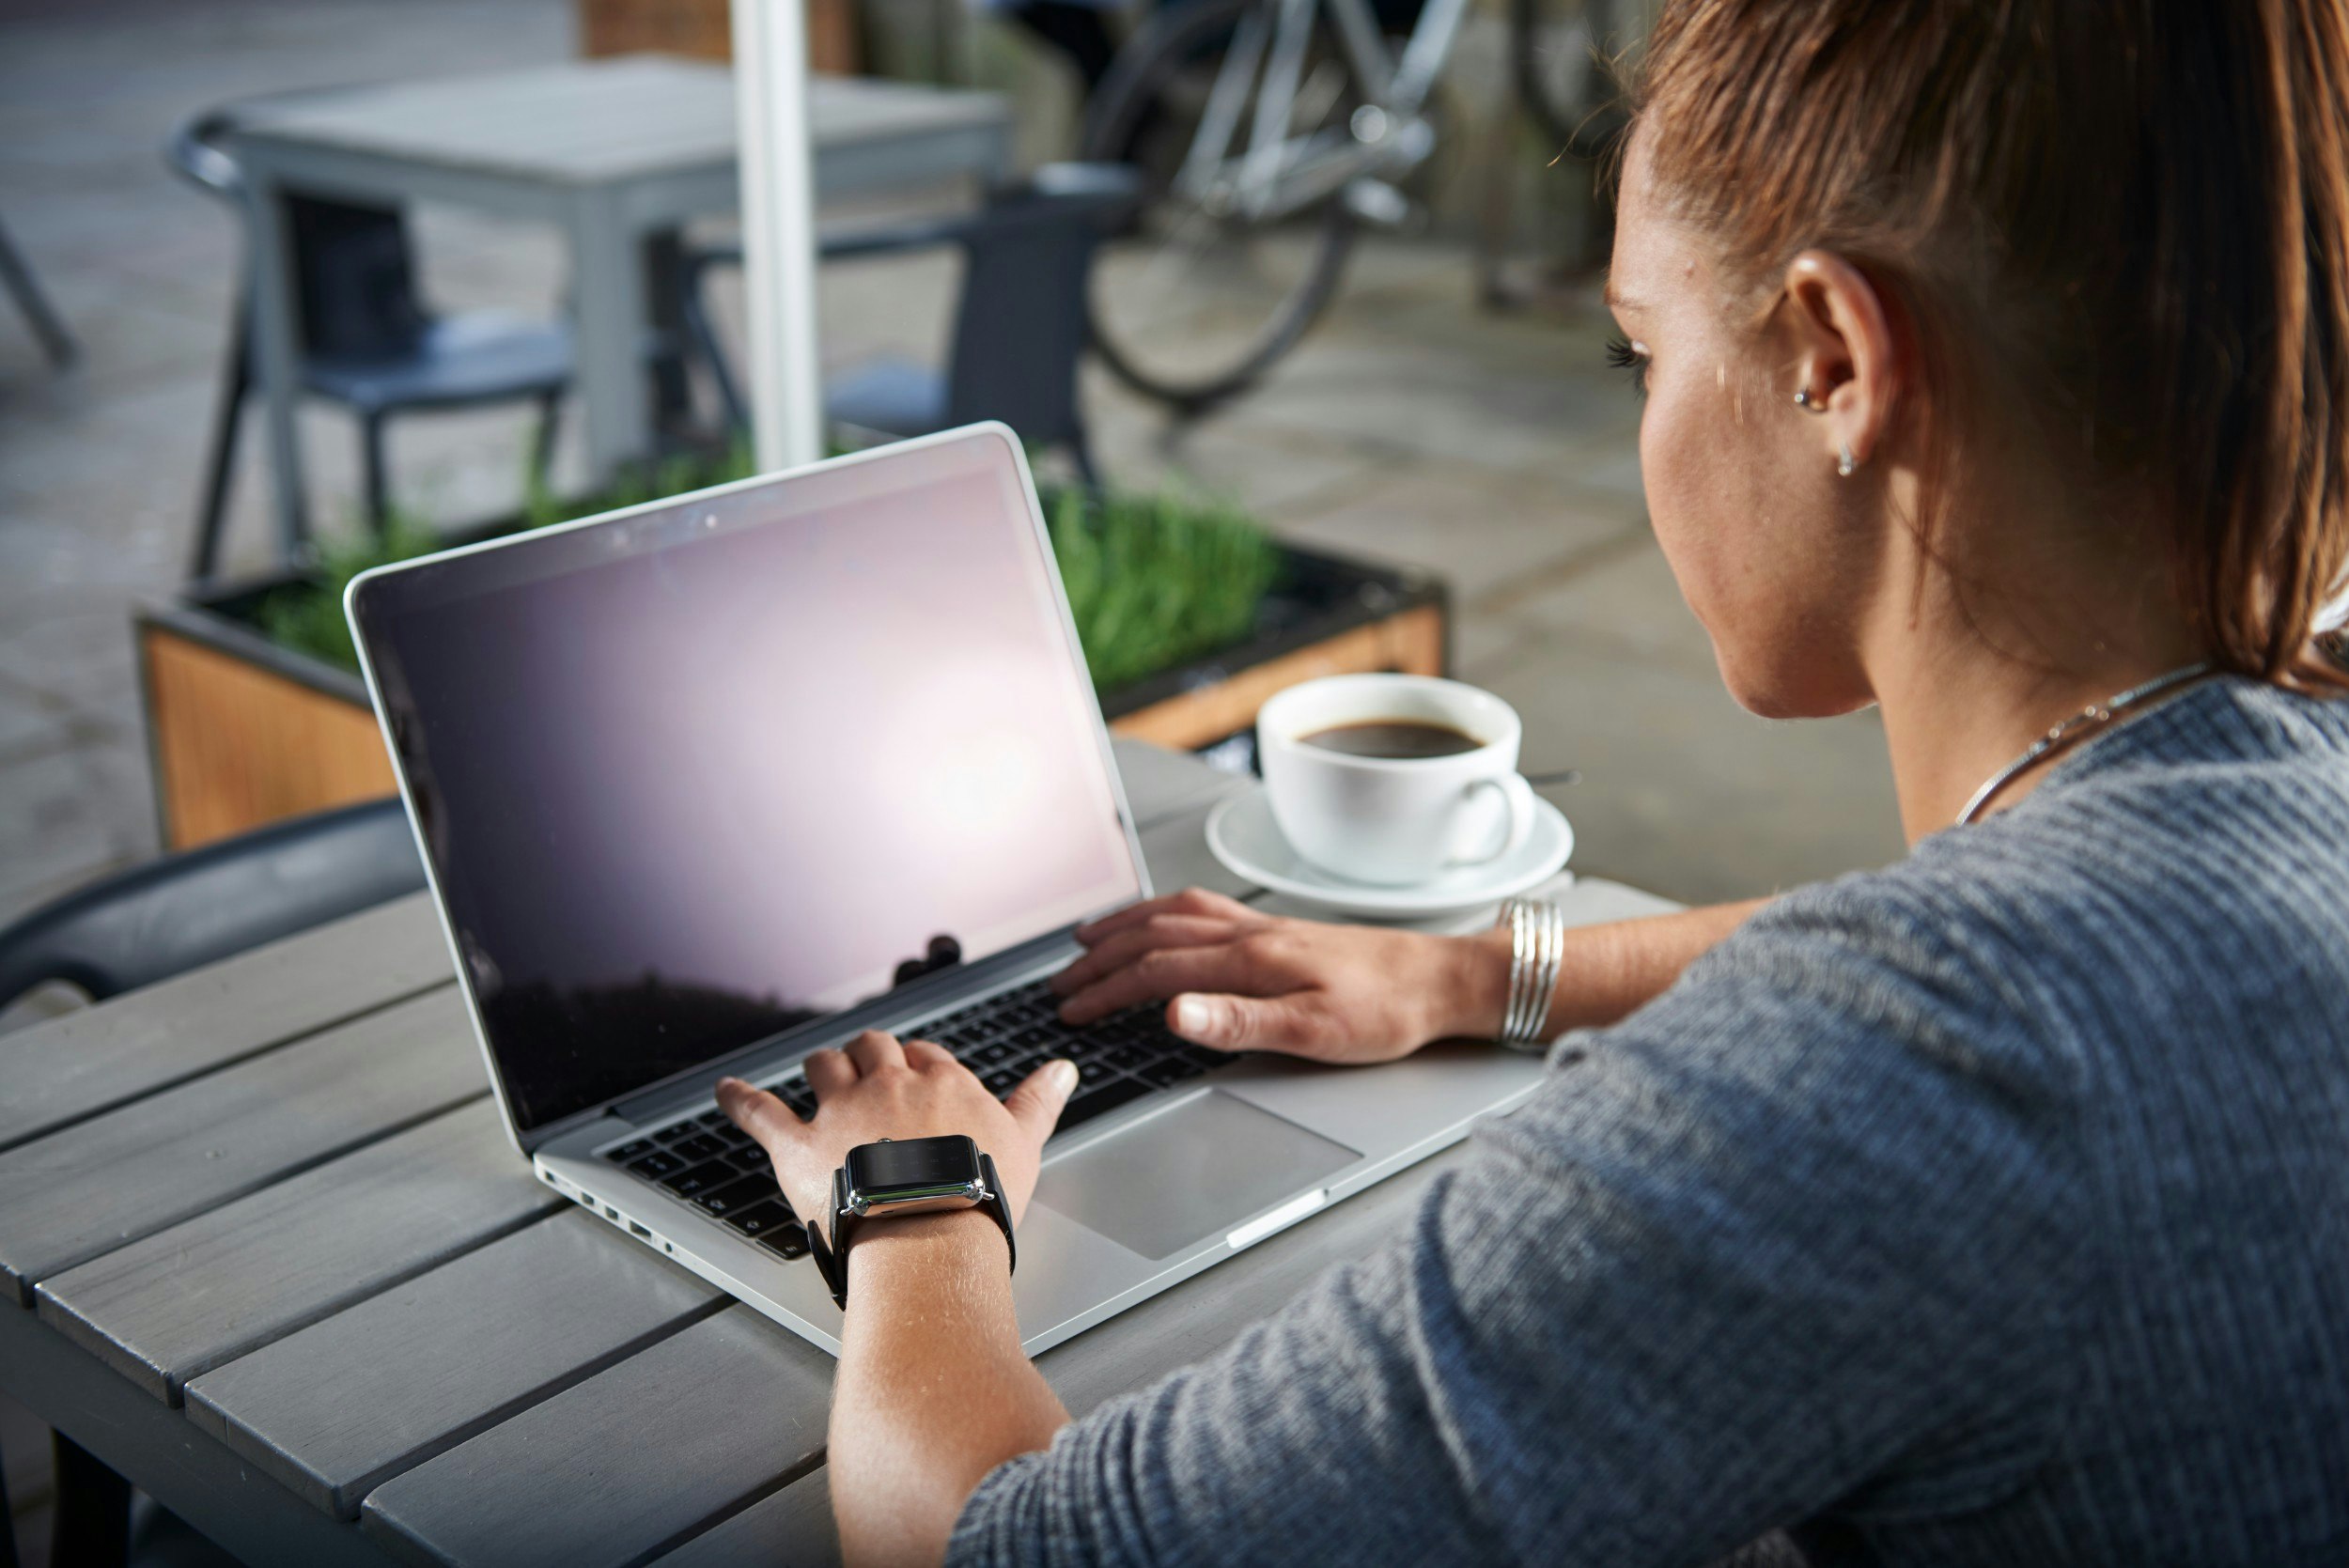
(1606, 971)
(1477, 993)
(924, 1245)
(1476, 986)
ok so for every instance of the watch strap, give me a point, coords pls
(997, 1207)
(832, 1266)
(831, 1254)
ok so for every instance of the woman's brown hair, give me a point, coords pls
(2126, 219)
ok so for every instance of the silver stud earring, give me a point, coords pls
(1806, 403)
(1846, 464)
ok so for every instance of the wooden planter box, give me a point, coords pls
(241, 732)
(704, 30)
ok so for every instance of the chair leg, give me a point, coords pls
(542, 440)
(729, 395)
(1080, 454)
(670, 352)
(703, 336)
(378, 502)
(93, 1518)
(16, 275)
(211, 516)
(8, 1524)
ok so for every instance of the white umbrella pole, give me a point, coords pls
(778, 231)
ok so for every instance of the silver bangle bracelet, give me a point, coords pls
(1537, 948)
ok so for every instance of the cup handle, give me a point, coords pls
(1518, 796)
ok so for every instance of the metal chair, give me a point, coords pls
(161, 919)
(16, 276)
(367, 341)
(1019, 328)
(183, 911)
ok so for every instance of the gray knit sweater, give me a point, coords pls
(1990, 1209)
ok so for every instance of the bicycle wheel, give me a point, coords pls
(1208, 285)
(1561, 50)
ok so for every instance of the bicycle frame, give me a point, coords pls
(1278, 173)
(1200, 307)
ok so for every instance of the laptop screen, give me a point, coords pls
(695, 777)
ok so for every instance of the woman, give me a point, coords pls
(1992, 1208)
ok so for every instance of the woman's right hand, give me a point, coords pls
(1238, 980)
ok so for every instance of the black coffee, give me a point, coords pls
(1393, 737)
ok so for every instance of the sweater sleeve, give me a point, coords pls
(1798, 1234)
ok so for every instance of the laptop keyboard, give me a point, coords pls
(710, 1162)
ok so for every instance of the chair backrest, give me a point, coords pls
(354, 267)
(355, 273)
(1020, 329)
(183, 911)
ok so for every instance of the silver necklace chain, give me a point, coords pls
(2078, 727)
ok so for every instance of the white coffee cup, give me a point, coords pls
(1393, 821)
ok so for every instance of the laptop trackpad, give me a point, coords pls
(1190, 1172)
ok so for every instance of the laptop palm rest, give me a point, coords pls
(1192, 1170)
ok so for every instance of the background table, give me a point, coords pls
(268, 1252)
(616, 152)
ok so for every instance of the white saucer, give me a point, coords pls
(1244, 837)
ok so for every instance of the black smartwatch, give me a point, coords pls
(913, 1176)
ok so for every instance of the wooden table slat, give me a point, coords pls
(790, 1528)
(107, 1181)
(339, 1406)
(619, 1466)
(184, 1300)
(89, 1062)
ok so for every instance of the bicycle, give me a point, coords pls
(1268, 133)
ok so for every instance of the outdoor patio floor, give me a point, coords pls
(1493, 448)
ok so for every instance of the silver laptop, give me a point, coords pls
(706, 785)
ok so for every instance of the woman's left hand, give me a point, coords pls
(878, 1089)
(1238, 980)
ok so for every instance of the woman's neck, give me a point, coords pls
(1965, 682)
(1949, 740)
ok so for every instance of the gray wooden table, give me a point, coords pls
(269, 1255)
(618, 153)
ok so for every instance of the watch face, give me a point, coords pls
(880, 1170)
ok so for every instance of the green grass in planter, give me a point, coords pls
(1155, 580)
(310, 619)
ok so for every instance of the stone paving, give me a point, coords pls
(1413, 424)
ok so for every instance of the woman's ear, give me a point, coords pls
(1845, 355)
